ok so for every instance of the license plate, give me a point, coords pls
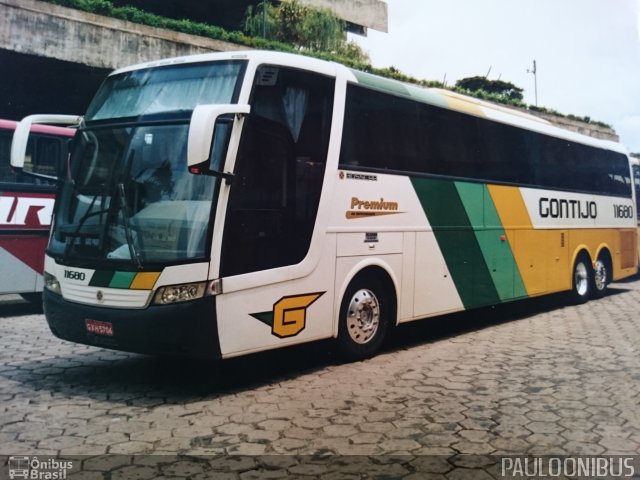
(99, 328)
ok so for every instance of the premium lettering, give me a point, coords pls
(382, 204)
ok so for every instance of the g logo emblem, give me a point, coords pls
(289, 315)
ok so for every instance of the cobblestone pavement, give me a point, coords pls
(532, 378)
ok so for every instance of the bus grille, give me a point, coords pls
(106, 297)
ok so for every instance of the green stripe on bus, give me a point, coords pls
(395, 87)
(492, 240)
(457, 241)
(112, 279)
(101, 278)
(122, 280)
(379, 83)
(427, 96)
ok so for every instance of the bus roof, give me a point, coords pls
(433, 96)
(37, 128)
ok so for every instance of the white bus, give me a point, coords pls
(224, 204)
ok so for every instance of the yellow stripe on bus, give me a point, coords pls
(519, 230)
(511, 207)
(145, 280)
(462, 105)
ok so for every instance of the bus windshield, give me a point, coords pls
(165, 89)
(128, 196)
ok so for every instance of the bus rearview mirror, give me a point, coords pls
(21, 134)
(210, 135)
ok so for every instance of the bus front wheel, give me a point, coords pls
(365, 313)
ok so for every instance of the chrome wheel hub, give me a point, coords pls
(363, 316)
(581, 279)
(600, 276)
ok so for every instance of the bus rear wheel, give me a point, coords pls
(582, 279)
(601, 278)
(365, 313)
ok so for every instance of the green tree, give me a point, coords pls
(354, 52)
(323, 31)
(261, 23)
(500, 88)
(290, 18)
(316, 30)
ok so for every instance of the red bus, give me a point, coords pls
(26, 206)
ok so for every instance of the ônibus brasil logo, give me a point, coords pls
(41, 469)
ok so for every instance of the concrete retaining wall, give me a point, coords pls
(43, 29)
(596, 131)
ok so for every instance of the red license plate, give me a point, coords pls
(99, 328)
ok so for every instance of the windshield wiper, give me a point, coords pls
(76, 232)
(133, 251)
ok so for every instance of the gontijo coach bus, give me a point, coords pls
(26, 206)
(229, 203)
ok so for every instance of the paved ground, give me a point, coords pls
(533, 378)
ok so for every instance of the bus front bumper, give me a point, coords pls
(187, 329)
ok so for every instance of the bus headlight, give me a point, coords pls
(51, 283)
(179, 293)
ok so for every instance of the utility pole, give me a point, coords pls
(535, 79)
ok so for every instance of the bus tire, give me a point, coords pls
(366, 310)
(582, 279)
(601, 277)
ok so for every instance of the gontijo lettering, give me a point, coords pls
(563, 208)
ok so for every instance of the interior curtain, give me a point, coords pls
(295, 102)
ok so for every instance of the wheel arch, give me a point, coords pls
(375, 267)
(579, 251)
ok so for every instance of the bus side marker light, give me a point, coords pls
(215, 287)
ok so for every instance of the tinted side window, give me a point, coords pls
(44, 154)
(383, 131)
(618, 178)
(450, 143)
(42, 157)
(390, 132)
(505, 153)
(380, 131)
